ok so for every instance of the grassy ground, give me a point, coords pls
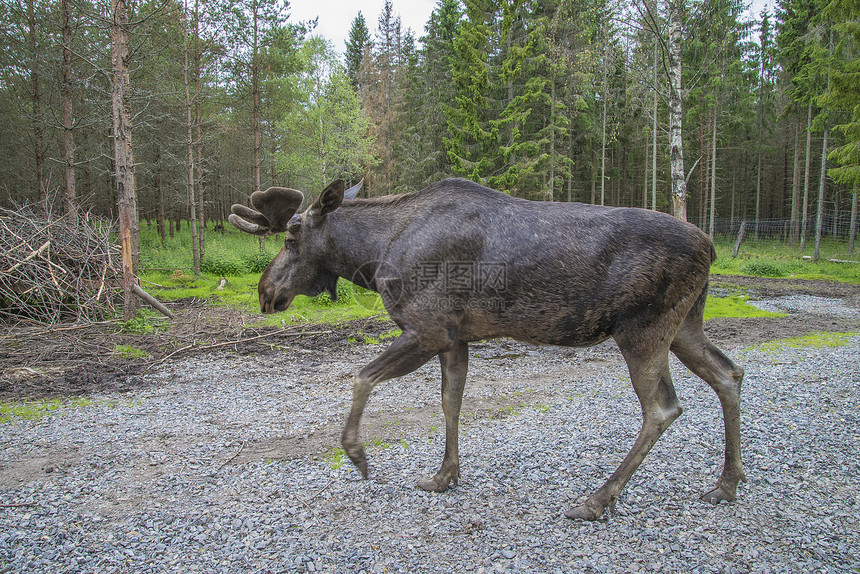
(774, 259)
(236, 258)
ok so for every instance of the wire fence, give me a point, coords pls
(784, 230)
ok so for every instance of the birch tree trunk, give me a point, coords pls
(255, 111)
(676, 141)
(129, 226)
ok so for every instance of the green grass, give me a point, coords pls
(335, 457)
(35, 410)
(817, 340)
(774, 259)
(129, 351)
(722, 307)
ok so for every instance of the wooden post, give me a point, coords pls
(740, 238)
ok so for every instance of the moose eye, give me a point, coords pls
(289, 242)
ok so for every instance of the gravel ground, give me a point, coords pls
(229, 464)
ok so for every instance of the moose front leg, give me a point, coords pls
(455, 364)
(405, 355)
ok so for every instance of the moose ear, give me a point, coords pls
(352, 192)
(329, 200)
(272, 211)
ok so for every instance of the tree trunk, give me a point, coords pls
(654, 138)
(822, 180)
(676, 141)
(645, 180)
(795, 187)
(603, 144)
(159, 197)
(189, 143)
(852, 230)
(201, 213)
(38, 147)
(129, 226)
(70, 201)
(255, 112)
(713, 176)
(806, 176)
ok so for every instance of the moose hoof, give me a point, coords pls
(435, 484)
(584, 512)
(718, 495)
(359, 460)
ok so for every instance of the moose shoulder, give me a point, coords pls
(458, 262)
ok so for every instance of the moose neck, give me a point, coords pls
(359, 233)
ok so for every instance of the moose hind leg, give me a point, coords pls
(455, 364)
(660, 407)
(698, 354)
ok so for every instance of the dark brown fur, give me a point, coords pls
(458, 262)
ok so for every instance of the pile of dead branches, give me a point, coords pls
(51, 271)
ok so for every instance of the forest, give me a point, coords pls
(682, 104)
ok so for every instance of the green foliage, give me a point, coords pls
(326, 132)
(145, 322)
(766, 269)
(257, 262)
(222, 266)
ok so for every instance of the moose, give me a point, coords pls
(458, 262)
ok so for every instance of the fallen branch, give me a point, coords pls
(38, 251)
(137, 290)
(809, 257)
(236, 342)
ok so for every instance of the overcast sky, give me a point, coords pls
(336, 16)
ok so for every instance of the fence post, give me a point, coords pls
(740, 238)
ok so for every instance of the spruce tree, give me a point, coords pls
(358, 43)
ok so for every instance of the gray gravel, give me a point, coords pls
(227, 464)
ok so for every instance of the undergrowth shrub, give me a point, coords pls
(767, 268)
(344, 295)
(222, 266)
(257, 262)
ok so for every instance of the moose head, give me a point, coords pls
(297, 269)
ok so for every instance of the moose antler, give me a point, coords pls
(273, 210)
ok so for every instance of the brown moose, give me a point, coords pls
(458, 262)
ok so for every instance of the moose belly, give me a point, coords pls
(541, 324)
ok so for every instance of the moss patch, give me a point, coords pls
(817, 340)
(738, 306)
